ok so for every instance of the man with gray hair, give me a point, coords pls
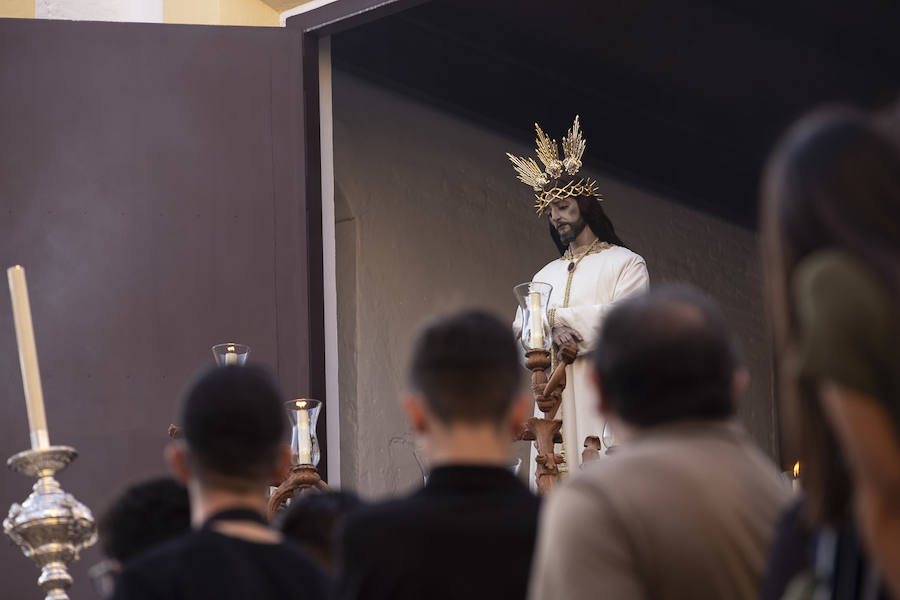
(686, 508)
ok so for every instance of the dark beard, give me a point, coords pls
(568, 236)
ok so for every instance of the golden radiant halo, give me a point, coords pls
(547, 150)
(573, 189)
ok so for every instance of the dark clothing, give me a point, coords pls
(205, 564)
(792, 553)
(830, 562)
(468, 534)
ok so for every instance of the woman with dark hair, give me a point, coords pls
(831, 238)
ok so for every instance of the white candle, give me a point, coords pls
(230, 356)
(31, 376)
(304, 444)
(537, 324)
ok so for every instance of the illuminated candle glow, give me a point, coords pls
(304, 443)
(231, 357)
(537, 326)
(31, 376)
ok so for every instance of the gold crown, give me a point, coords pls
(547, 151)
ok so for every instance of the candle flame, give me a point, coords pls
(301, 403)
(229, 349)
(796, 469)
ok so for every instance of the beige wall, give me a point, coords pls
(220, 12)
(191, 11)
(21, 9)
(430, 218)
(203, 12)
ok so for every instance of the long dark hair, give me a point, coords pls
(593, 215)
(832, 182)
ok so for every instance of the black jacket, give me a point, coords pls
(468, 534)
(205, 564)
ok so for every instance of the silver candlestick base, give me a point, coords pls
(51, 526)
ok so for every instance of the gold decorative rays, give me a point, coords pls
(529, 172)
(547, 151)
(573, 148)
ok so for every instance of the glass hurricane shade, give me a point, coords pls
(608, 438)
(534, 300)
(304, 413)
(230, 353)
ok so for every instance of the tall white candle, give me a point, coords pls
(537, 325)
(231, 357)
(304, 444)
(31, 376)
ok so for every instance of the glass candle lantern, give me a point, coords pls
(609, 437)
(304, 413)
(534, 300)
(230, 353)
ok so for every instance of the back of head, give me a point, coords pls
(312, 520)
(667, 356)
(466, 367)
(145, 515)
(233, 421)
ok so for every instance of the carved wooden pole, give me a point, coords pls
(303, 479)
(545, 431)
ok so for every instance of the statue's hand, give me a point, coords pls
(567, 353)
(563, 335)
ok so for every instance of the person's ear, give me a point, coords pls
(176, 457)
(416, 413)
(521, 409)
(740, 381)
(602, 402)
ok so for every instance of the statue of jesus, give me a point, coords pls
(594, 271)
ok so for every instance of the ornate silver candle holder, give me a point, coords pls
(51, 527)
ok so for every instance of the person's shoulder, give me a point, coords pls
(149, 574)
(292, 550)
(163, 553)
(623, 254)
(379, 515)
(600, 475)
(833, 271)
(299, 562)
(833, 286)
(658, 451)
(367, 531)
(550, 266)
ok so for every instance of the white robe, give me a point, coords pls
(600, 279)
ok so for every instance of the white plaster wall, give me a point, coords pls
(431, 219)
(145, 11)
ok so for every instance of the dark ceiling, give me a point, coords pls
(685, 98)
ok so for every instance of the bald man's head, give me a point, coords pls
(667, 356)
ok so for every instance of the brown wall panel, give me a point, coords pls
(151, 183)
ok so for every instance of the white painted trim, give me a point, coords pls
(306, 7)
(329, 263)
